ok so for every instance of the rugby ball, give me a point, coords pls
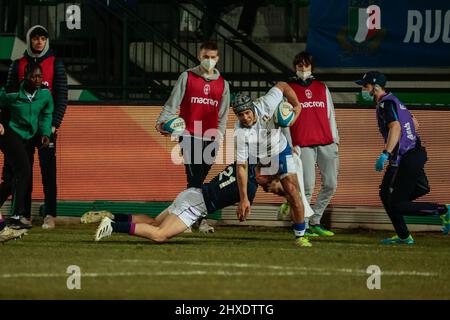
(174, 125)
(284, 114)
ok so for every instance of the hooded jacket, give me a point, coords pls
(29, 117)
(52, 67)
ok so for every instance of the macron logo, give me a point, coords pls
(313, 104)
(199, 100)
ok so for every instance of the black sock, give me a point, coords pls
(121, 227)
(121, 217)
(2, 224)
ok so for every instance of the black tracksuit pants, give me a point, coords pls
(17, 171)
(198, 156)
(47, 161)
(403, 184)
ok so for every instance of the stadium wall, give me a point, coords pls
(112, 156)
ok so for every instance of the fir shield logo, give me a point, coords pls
(206, 89)
(308, 93)
(363, 32)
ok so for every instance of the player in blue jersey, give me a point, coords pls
(189, 206)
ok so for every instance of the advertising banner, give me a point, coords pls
(380, 33)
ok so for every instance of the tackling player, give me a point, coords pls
(189, 206)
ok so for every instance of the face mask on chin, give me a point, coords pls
(303, 74)
(208, 64)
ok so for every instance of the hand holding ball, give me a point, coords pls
(284, 115)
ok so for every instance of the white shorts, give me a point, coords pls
(189, 206)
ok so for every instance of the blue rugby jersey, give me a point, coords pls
(223, 191)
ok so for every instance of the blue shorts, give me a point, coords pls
(285, 161)
(282, 164)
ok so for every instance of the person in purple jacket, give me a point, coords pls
(404, 179)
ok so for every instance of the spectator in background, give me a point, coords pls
(214, 10)
(315, 132)
(30, 119)
(404, 176)
(202, 96)
(55, 78)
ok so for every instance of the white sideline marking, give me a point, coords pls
(279, 271)
(311, 270)
(296, 271)
(212, 273)
(156, 274)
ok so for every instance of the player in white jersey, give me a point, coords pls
(260, 140)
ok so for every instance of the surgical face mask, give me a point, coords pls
(208, 64)
(366, 95)
(303, 74)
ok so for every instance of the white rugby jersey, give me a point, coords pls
(264, 139)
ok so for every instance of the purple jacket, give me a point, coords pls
(408, 138)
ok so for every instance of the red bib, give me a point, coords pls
(312, 126)
(201, 103)
(47, 66)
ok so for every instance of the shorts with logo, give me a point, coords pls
(189, 206)
(282, 164)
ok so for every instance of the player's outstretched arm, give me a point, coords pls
(243, 209)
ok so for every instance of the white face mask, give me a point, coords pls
(303, 75)
(208, 64)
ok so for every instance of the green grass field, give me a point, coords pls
(233, 263)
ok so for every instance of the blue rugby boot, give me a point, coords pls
(397, 240)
